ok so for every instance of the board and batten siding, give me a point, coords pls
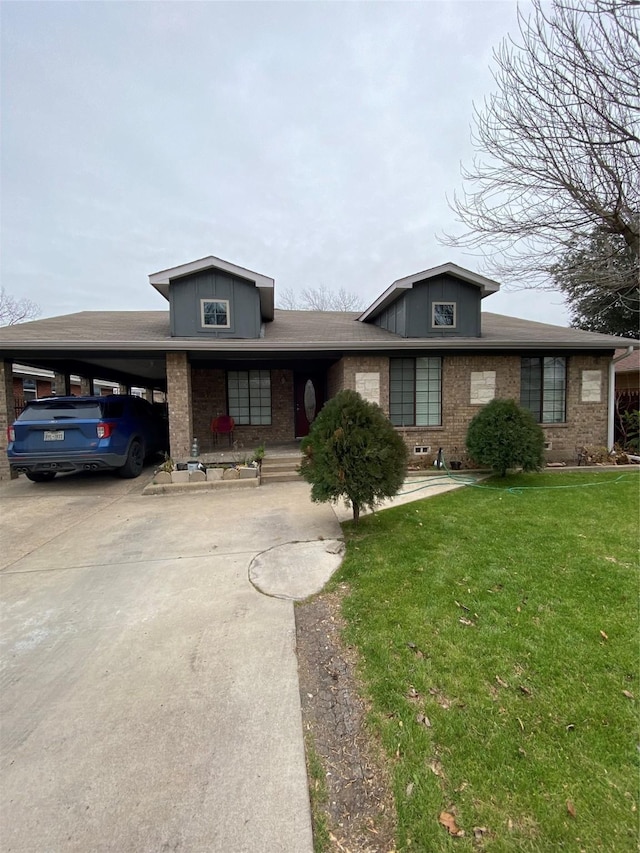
(184, 302)
(411, 314)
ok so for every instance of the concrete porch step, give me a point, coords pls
(280, 469)
(279, 477)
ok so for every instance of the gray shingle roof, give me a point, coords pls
(289, 331)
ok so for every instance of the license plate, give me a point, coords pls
(54, 435)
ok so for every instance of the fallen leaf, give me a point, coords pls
(479, 831)
(628, 694)
(571, 808)
(501, 682)
(435, 767)
(524, 690)
(464, 621)
(423, 720)
(449, 822)
(409, 790)
(521, 723)
(463, 606)
(412, 693)
(603, 635)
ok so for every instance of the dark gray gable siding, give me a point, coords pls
(411, 314)
(184, 304)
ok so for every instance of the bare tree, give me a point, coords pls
(558, 145)
(14, 310)
(320, 299)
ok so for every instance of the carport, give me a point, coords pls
(125, 363)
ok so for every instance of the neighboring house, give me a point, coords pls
(30, 383)
(627, 394)
(423, 351)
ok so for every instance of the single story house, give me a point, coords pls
(423, 350)
(31, 383)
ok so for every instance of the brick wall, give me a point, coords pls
(209, 396)
(586, 421)
(343, 375)
(179, 405)
(335, 379)
(6, 416)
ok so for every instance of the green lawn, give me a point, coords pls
(498, 635)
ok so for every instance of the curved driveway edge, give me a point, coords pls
(296, 570)
(149, 692)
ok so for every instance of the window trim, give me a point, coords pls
(236, 417)
(416, 390)
(435, 325)
(225, 302)
(539, 414)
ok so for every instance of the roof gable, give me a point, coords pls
(265, 285)
(487, 286)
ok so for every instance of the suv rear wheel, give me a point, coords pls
(135, 461)
(40, 476)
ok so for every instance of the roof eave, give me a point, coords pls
(260, 345)
(487, 286)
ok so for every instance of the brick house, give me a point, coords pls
(424, 351)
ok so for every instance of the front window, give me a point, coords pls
(444, 315)
(415, 391)
(214, 312)
(543, 386)
(249, 395)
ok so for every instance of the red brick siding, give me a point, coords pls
(6, 416)
(209, 399)
(179, 405)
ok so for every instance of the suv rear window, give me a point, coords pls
(57, 409)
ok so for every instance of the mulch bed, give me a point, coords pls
(360, 809)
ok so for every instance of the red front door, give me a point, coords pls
(309, 399)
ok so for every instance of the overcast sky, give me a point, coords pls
(314, 142)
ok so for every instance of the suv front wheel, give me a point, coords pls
(135, 461)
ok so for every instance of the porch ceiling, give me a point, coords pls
(127, 369)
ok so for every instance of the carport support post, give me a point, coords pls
(179, 404)
(86, 386)
(7, 416)
(62, 384)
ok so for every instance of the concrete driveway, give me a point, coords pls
(149, 693)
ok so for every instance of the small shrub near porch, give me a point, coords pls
(353, 452)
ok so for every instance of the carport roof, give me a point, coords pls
(288, 332)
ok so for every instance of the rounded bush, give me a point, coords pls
(352, 451)
(503, 435)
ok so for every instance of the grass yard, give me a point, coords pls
(498, 635)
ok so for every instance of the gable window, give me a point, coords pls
(415, 391)
(249, 396)
(444, 315)
(214, 312)
(543, 388)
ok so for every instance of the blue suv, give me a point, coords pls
(61, 434)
